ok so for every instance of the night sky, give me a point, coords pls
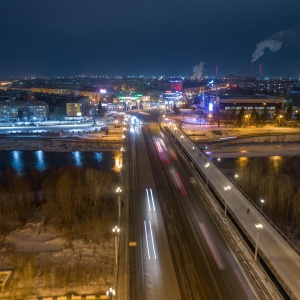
(148, 37)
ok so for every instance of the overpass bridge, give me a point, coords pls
(270, 244)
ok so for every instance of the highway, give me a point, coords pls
(152, 271)
(180, 251)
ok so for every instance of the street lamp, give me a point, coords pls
(258, 227)
(110, 293)
(261, 204)
(246, 119)
(279, 119)
(226, 189)
(218, 160)
(236, 176)
(116, 230)
(193, 148)
(206, 167)
(182, 137)
(118, 191)
(175, 129)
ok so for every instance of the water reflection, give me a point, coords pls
(40, 161)
(17, 163)
(242, 162)
(276, 162)
(77, 158)
(24, 161)
(98, 156)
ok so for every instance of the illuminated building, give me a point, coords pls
(23, 110)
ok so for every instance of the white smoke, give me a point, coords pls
(198, 70)
(274, 42)
(273, 45)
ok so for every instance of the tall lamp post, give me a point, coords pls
(226, 189)
(116, 231)
(118, 191)
(258, 227)
(175, 129)
(262, 201)
(206, 167)
(279, 119)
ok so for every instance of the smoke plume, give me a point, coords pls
(273, 45)
(274, 42)
(198, 70)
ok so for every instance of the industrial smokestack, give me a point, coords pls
(260, 71)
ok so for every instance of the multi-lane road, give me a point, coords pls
(180, 253)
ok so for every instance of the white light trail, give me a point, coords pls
(148, 200)
(147, 240)
(152, 240)
(152, 199)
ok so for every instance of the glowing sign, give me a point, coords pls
(210, 107)
(102, 91)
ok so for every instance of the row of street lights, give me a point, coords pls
(258, 226)
(227, 189)
(111, 293)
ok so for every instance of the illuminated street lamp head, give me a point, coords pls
(118, 190)
(236, 175)
(206, 165)
(182, 136)
(123, 136)
(116, 229)
(122, 149)
(227, 188)
(262, 200)
(124, 128)
(258, 226)
(111, 292)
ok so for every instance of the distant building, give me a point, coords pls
(210, 101)
(78, 109)
(93, 96)
(23, 111)
(258, 102)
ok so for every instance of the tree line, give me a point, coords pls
(73, 200)
(278, 189)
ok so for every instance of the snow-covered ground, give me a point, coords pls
(45, 264)
(239, 141)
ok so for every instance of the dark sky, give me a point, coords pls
(150, 37)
